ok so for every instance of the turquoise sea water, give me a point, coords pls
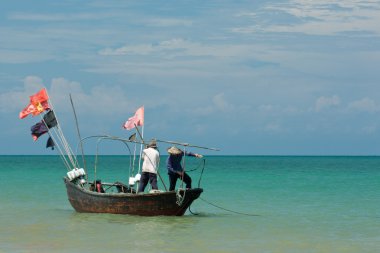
(297, 204)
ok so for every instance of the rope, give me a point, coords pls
(203, 163)
(192, 212)
(200, 177)
(228, 210)
(180, 198)
(198, 166)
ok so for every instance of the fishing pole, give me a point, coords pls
(142, 142)
(78, 132)
(187, 144)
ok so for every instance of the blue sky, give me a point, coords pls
(250, 77)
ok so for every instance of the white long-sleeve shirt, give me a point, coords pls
(151, 160)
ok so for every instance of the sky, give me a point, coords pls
(293, 77)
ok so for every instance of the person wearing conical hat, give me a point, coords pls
(150, 166)
(175, 169)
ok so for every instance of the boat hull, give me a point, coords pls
(147, 204)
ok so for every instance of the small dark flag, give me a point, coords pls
(38, 130)
(44, 125)
(132, 137)
(50, 143)
(50, 119)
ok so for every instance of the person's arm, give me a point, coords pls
(194, 154)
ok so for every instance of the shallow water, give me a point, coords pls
(294, 204)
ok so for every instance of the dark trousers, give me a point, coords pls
(148, 177)
(173, 180)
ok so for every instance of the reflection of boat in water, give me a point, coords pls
(117, 198)
(149, 204)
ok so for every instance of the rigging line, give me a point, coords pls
(59, 148)
(60, 135)
(228, 210)
(68, 149)
(65, 145)
(52, 108)
(62, 155)
(65, 162)
(78, 132)
(61, 139)
(105, 137)
(96, 157)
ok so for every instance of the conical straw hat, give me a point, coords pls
(174, 151)
(152, 144)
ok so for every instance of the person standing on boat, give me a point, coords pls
(150, 166)
(175, 169)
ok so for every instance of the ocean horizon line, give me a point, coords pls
(225, 155)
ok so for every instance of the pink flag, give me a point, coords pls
(137, 119)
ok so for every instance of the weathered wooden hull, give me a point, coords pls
(151, 204)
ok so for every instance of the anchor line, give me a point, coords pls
(228, 210)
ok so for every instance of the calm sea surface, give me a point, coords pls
(249, 204)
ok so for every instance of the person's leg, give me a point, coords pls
(187, 180)
(143, 181)
(153, 181)
(173, 180)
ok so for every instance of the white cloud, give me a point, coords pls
(266, 108)
(144, 49)
(369, 129)
(23, 56)
(277, 109)
(181, 47)
(219, 104)
(324, 103)
(168, 22)
(26, 16)
(100, 100)
(364, 105)
(273, 127)
(15, 100)
(325, 17)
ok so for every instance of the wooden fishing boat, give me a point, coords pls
(171, 203)
(118, 198)
(94, 196)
